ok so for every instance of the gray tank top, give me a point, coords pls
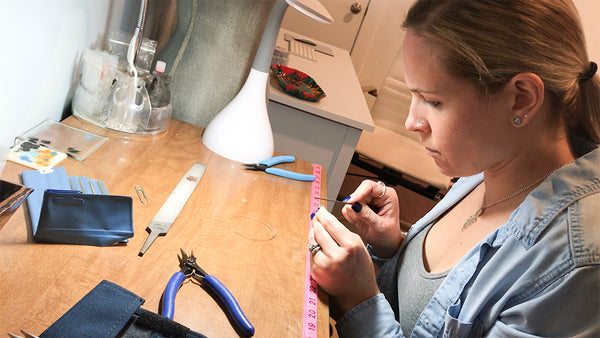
(416, 286)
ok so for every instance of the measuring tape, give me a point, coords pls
(309, 321)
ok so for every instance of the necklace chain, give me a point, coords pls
(473, 218)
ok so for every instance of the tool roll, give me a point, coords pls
(76, 210)
(109, 310)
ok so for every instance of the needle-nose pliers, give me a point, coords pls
(189, 268)
(266, 165)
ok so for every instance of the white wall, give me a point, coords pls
(42, 41)
(378, 41)
(380, 37)
(589, 11)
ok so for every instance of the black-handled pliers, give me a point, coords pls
(265, 165)
(189, 268)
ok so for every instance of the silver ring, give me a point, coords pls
(383, 186)
(314, 248)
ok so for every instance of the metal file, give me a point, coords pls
(166, 215)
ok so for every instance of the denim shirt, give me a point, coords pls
(536, 275)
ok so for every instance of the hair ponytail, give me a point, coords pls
(589, 123)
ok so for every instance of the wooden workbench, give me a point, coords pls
(247, 228)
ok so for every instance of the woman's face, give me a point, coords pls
(462, 132)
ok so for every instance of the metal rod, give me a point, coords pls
(334, 201)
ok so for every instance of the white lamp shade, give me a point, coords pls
(242, 130)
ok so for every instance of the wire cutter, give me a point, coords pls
(189, 268)
(266, 165)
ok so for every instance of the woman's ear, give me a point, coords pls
(528, 90)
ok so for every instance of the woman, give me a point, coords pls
(504, 96)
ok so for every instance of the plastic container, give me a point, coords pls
(98, 70)
(160, 99)
(127, 107)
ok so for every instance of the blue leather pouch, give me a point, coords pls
(72, 217)
(76, 210)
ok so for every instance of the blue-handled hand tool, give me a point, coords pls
(189, 268)
(266, 165)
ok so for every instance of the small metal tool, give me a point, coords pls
(266, 165)
(141, 194)
(334, 201)
(162, 221)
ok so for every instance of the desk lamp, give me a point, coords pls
(242, 130)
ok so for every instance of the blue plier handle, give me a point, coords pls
(266, 165)
(189, 268)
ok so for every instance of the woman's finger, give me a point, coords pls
(338, 232)
(368, 191)
(323, 238)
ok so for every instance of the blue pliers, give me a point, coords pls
(266, 165)
(189, 268)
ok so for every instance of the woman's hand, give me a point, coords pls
(380, 228)
(342, 267)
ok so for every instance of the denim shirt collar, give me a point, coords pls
(562, 188)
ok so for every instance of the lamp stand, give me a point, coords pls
(242, 130)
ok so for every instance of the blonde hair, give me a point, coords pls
(487, 42)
